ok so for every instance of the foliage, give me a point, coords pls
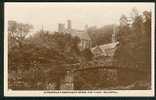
(44, 56)
(17, 32)
(101, 35)
(134, 49)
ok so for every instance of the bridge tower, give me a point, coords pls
(69, 25)
(68, 83)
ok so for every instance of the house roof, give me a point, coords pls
(104, 48)
(109, 45)
(81, 34)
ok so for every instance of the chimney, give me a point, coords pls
(114, 33)
(61, 28)
(69, 24)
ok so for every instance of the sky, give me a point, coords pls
(49, 15)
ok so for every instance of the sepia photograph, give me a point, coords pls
(79, 49)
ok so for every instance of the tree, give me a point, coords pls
(134, 13)
(134, 49)
(18, 32)
(101, 35)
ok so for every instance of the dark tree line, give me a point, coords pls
(135, 45)
(41, 58)
(102, 35)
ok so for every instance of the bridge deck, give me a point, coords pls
(78, 67)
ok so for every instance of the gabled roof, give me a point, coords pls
(81, 34)
(97, 50)
(109, 45)
(104, 49)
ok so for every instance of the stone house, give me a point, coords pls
(82, 34)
